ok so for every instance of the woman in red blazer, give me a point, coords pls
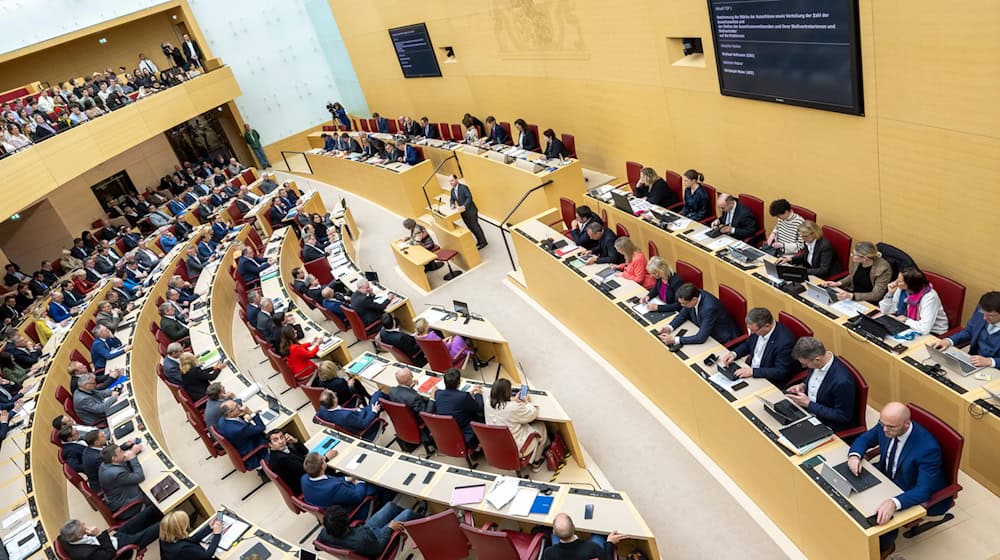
(298, 355)
(80, 282)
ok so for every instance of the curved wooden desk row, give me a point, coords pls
(960, 401)
(730, 426)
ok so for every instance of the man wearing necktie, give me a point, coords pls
(981, 333)
(146, 64)
(911, 457)
(430, 131)
(734, 219)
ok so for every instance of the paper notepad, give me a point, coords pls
(503, 492)
(642, 308)
(429, 383)
(463, 495)
(248, 392)
(232, 530)
(523, 501)
(542, 505)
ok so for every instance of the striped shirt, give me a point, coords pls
(786, 232)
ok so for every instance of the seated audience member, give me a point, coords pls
(706, 312)
(91, 403)
(910, 456)
(25, 296)
(71, 447)
(471, 132)
(286, 456)
(665, 286)
(96, 441)
(195, 264)
(108, 316)
(578, 230)
(603, 251)
(554, 147)
(84, 542)
(345, 389)
(696, 202)
(411, 155)
(9, 313)
(104, 379)
(769, 347)
(298, 355)
(322, 490)
(173, 326)
(364, 304)
(654, 189)
(329, 144)
(734, 219)
(497, 133)
(869, 276)
(829, 392)
(785, 236)
(390, 335)
(428, 129)
(120, 475)
(371, 538)
(420, 236)
(634, 267)
(167, 240)
(404, 393)
(394, 151)
(358, 421)
(464, 407)
(195, 379)
(458, 347)
(566, 545)
(175, 542)
(250, 266)
(217, 395)
(265, 320)
(817, 255)
(311, 249)
(244, 429)
(521, 418)
(172, 362)
(332, 302)
(912, 300)
(526, 139)
(981, 333)
(25, 352)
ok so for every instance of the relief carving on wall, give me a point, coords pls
(538, 30)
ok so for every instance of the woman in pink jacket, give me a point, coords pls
(634, 268)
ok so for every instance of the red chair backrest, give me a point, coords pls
(234, 212)
(54, 439)
(313, 393)
(57, 267)
(793, 324)
(66, 399)
(329, 127)
(357, 325)
(448, 437)
(690, 273)
(86, 338)
(444, 131)
(197, 421)
(436, 352)
(320, 268)
(393, 126)
(120, 243)
(248, 176)
(567, 209)
(841, 246)
(31, 331)
(506, 128)
(282, 366)
(712, 210)
(951, 443)
(805, 213)
(569, 141)
(860, 403)
(457, 133)
(756, 206)
(254, 238)
(604, 216)
(632, 169)
(490, 545)
(736, 306)
(621, 231)
(175, 389)
(498, 445)
(952, 296)
(283, 489)
(403, 421)
(373, 125)
(76, 356)
(674, 183)
(182, 270)
(231, 451)
(396, 353)
(341, 324)
(652, 249)
(364, 125)
(534, 129)
(438, 536)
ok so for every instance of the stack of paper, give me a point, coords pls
(523, 501)
(463, 495)
(503, 492)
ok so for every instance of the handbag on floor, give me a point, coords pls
(556, 453)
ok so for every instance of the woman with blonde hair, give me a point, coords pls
(43, 325)
(654, 189)
(520, 417)
(195, 379)
(458, 348)
(175, 542)
(328, 377)
(817, 256)
(69, 262)
(634, 267)
(868, 279)
(665, 287)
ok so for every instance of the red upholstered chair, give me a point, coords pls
(57, 266)
(448, 437)
(378, 423)
(500, 449)
(197, 420)
(793, 324)
(329, 127)
(239, 461)
(182, 271)
(364, 125)
(396, 352)
(175, 389)
(286, 372)
(841, 248)
(805, 213)
(65, 398)
(120, 243)
(604, 216)
(438, 357)
(569, 141)
(444, 131)
(491, 544)
(756, 206)
(373, 125)
(632, 169)
(736, 308)
(713, 212)
(112, 518)
(86, 338)
(330, 315)
(952, 296)
(690, 273)
(860, 404)
(235, 213)
(439, 536)
(396, 541)
(30, 330)
(286, 493)
(621, 231)
(126, 552)
(361, 331)
(407, 426)
(235, 182)
(506, 128)
(676, 185)
(320, 268)
(313, 393)
(951, 443)
(248, 176)
(254, 239)
(76, 356)
(534, 129)
(652, 250)
(457, 134)
(567, 209)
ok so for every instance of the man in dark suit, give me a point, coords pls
(249, 265)
(463, 407)
(244, 429)
(192, 52)
(981, 333)
(357, 421)
(404, 342)
(394, 152)
(769, 347)
(411, 155)
(321, 489)
(381, 123)
(265, 322)
(404, 393)
(706, 312)
(145, 257)
(252, 309)
(96, 440)
(311, 249)
(171, 362)
(734, 220)
(51, 278)
(72, 447)
(285, 455)
(14, 276)
(829, 392)
(78, 250)
(410, 127)
(193, 262)
(172, 325)
(497, 134)
(603, 250)
(348, 144)
(911, 457)
(363, 303)
(9, 312)
(460, 198)
(38, 285)
(299, 283)
(428, 129)
(83, 542)
(120, 476)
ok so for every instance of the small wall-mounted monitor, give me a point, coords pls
(415, 52)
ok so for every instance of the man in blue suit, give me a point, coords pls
(381, 122)
(244, 429)
(323, 490)
(249, 266)
(829, 392)
(706, 312)
(769, 347)
(354, 420)
(911, 457)
(58, 310)
(497, 134)
(105, 347)
(462, 406)
(176, 207)
(219, 229)
(981, 333)
(411, 155)
(428, 129)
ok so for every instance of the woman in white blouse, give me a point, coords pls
(912, 300)
(519, 417)
(15, 137)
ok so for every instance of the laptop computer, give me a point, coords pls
(784, 411)
(953, 359)
(821, 294)
(869, 325)
(621, 202)
(664, 219)
(728, 371)
(273, 408)
(806, 431)
(745, 253)
(371, 276)
(844, 481)
(891, 325)
(461, 307)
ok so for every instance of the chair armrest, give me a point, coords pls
(943, 494)
(116, 515)
(729, 345)
(252, 452)
(489, 526)
(835, 277)
(129, 551)
(201, 402)
(873, 452)
(467, 518)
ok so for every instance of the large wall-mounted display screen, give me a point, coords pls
(415, 52)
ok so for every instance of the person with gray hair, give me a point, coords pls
(172, 326)
(244, 429)
(253, 307)
(363, 302)
(830, 391)
(171, 362)
(769, 347)
(120, 474)
(566, 545)
(603, 251)
(108, 315)
(85, 542)
(91, 403)
(105, 347)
